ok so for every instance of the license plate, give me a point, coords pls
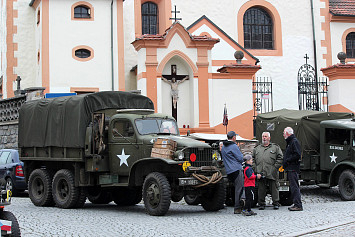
(188, 182)
(284, 188)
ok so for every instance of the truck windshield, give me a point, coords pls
(156, 125)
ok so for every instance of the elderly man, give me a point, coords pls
(233, 160)
(291, 164)
(268, 159)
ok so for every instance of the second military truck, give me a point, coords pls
(327, 141)
(112, 146)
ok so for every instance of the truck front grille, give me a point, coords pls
(199, 156)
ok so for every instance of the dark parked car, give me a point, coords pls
(11, 170)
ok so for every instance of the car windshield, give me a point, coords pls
(156, 125)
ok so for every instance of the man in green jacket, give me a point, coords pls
(268, 159)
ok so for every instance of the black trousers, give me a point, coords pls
(249, 195)
(237, 178)
(294, 188)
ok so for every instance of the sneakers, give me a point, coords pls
(294, 208)
(249, 213)
(276, 206)
(237, 211)
(262, 207)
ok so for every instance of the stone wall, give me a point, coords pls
(9, 115)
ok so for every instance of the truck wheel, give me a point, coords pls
(82, 198)
(286, 198)
(15, 228)
(40, 188)
(192, 199)
(98, 196)
(214, 198)
(65, 194)
(347, 185)
(156, 194)
(127, 196)
(177, 196)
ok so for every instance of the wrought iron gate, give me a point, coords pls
(262, 95)
(312, 93)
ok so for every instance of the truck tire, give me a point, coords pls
(98, 196)
(127, 196)
(40, 188)
(214, 198)
(156, 194)
(192, 199)
(65, 194)
(15, 228)
(82, 198)
(285, 198)
(347, 185)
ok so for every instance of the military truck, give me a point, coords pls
(328, 145)
(100, 146)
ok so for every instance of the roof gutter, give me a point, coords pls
(315, 57)
(112, 75)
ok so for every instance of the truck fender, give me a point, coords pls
(143, 167)
(338, 169)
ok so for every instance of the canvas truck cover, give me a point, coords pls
(62, 121)
(305, 123)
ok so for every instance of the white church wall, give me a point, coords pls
(65, 34)
(3, 31)
(142, 86)
(341, 91)
(237, 96)
(25, 38)
(337, 30)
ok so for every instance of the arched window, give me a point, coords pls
(81, 12)
(258, 29)
(350, 45)
(150, 24)
(82, 53)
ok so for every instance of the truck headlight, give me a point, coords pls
(181, 155)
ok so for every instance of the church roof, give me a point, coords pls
(162, 37)
(342, 7)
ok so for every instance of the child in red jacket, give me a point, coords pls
(249, 184)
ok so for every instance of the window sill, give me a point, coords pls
(265, 52)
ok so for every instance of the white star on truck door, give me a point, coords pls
(123, 158)
(333, 158)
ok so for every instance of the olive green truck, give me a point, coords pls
(99, 146)
(327, 141)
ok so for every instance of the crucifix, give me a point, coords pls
(175, 18)
(174, 80)
(306, 57)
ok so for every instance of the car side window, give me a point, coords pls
(5, 157)
(124, 128)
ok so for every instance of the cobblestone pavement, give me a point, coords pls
(324, 215)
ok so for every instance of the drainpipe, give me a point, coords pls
(315, 56)
(112, 75)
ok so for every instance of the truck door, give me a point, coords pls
(124, 150)
(336, 148)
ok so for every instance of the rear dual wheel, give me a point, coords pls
(65, 194)
(40, 188)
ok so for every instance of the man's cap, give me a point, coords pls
(231, 134)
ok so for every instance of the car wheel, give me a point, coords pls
(40, 188)
(347, 185)
(156, 194)
(214, 198)
(15, 228)
(65, 194)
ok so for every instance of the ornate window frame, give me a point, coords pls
(277, 30)
(85, 4)
(83, 47)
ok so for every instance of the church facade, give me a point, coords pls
(68, 46)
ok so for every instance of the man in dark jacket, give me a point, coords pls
(291, 164)
(233, 160)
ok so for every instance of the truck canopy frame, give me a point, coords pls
(62, 121)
